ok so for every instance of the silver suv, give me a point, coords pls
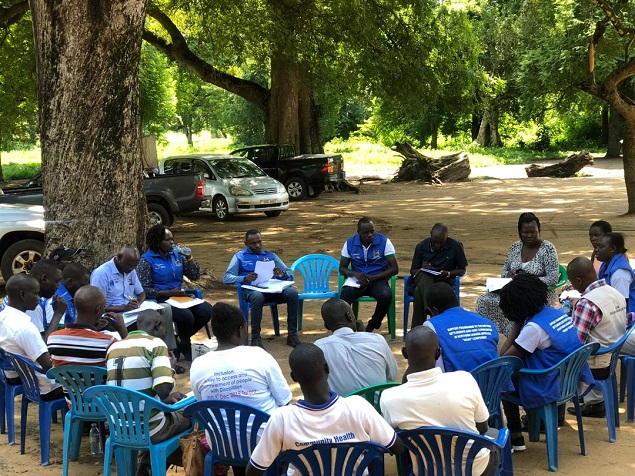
(21, 237)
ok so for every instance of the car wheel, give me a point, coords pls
(273, 213)
(20, 257)
(221, 209)
(296, 188)
(158, 215)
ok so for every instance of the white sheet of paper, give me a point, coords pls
(130, 317)
(271, 286)
(431, 271)
(569, 294)
(494, 284)
(185, 304)
(352, 282)
(264, 270)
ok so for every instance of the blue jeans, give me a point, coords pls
(256, 300)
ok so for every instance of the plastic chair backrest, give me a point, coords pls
(614, 350)
(76, 379)
(316, 270)
(372, 393)
(28, 372)
(233, 429)
(447, 451)
(492, 377)
(337, 459)
(5, 364)
(562, 278)
(127, 412)
(568, 370)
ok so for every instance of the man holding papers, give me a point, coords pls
(438, 259)
(372, 261)
(264, 277)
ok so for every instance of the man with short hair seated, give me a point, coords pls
(79, 342)
(433, 398)
(466, 339)
(321, 414)
(356, 359)
(598, 316)
(74, 276)
(18, 335)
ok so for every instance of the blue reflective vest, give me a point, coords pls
(536, 391)
(467, 339)
(607, 270)
(167, 273)
(374, 262)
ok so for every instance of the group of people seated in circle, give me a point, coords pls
(61, 314)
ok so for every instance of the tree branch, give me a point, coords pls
(612, 16)
(13, 14)
(179, 52)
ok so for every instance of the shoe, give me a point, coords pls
(257, 342)
(369, 328)
(179, 370)
(293, 341)
(595, 410)
(518, 444)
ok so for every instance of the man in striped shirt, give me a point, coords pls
(80, 343)
(141, 362)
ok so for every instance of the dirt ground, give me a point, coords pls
(482, 214)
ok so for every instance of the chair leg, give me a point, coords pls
(23, 414)
(578, 416)
(392, 319)
(76, 426)
(406, 312)
(623, 373)
(3, 392)
(550, 415)
(630, 390)
(45, 412)
(158, 457)
(10, 412)
(68, 441)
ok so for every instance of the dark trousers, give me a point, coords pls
(423, 282)
(190, 321)
(256, 300)
(380, 291)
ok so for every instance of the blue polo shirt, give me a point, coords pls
(117, 287)
(167, 273)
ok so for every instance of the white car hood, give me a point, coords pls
(31, 215)
(251, 183)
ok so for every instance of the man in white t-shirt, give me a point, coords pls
(18, 335)
(372, 261)
(431, 397)
(321, 416)
(243, 374)
(356, 359)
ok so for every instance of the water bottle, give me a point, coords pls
(183, 250)
(95, 440)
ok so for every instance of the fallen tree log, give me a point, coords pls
(418, 167)
(567, 168)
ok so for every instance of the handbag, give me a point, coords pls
(193, 452)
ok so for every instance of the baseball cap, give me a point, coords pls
(64, 252)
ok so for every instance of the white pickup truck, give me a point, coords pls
(21, 237)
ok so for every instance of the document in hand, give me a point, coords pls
(352, 282)
(271, 286)
(264, 270)
(130, 317)
(431, 271)
(494, 284)
(184, 302)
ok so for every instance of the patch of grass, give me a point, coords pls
(175, 143)
(21, 156)
(13, 171)
(358, 154)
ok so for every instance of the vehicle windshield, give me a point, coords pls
(236, 168)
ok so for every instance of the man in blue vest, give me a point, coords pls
(242, 268)
(372, 261)
(74, 276)
(466, 339)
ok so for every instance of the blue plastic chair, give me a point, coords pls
(372, 393)
(449, 451)
(392, 313)
(568, 372)
(76, 379)
(7, 399)
(493, 379)
(233, 431)
(608, 386)
(408, 298)
(127, 414)
(627, 384)
(245, 306)
(28, 372)
(316, 271)
(337, 459)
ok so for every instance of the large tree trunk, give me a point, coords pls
(614, 145)
(283, 106)
(87, 63)
(629, 160)
(488, 135)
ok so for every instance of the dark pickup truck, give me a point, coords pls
(304, 175)
(166, 195)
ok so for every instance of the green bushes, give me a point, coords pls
(13, 171)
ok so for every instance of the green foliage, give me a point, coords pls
(13, 171)
(155, 91)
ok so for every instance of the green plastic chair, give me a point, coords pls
(562, 279)
(392, 323)
(372, 393)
